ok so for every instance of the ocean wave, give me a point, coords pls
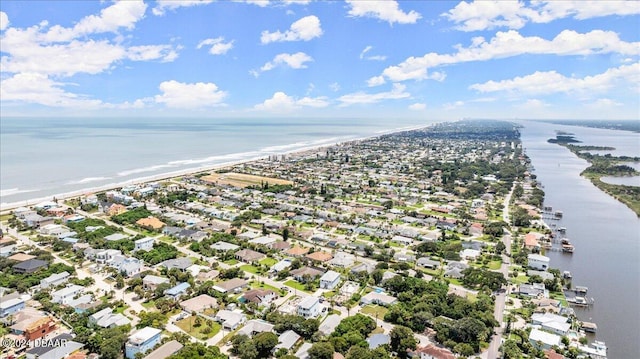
(143, 170)
(12, 191)
(89, 180)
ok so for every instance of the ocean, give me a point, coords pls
(45, 157)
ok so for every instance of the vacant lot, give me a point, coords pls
(242, 180)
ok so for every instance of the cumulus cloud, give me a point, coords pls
(487, 15)
(604, 103)
(418, 107)
(122, 14)
(281, 102)
(304, 29)
(190, 95)
(39, 89)
(294, 61)
(397, 92)
(4, 20)
(335, 87)
(376, 81)
(452, 105)
(165, 53)
(363, 55)
(550, 82)
(388, 11)
(509, 44)
(164, 5)
(218, 46)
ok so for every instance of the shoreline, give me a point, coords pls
(8, 206)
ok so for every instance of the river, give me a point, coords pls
(605, 232)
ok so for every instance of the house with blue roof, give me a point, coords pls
(178, 290)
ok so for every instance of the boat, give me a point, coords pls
(562, 230)
(558, 214)
(568, 248)
(548, 208)
(566, 275)
(589, 327)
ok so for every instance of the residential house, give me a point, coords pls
(180, 264)
(47, 351)
(551, 322)
(309, 307)
(535, 290)
(249, 256)
(106, 256)
(233, 285)
(303, 351)
(54, 280)
(426, 262)
(230, 320)
(32, 324)
(29, 266)
(151, 223)
(165, 350)
(329, 324)
(151, 282)
(8, 306)
(66, 294)
(531, 241)
(433, 352)
(144, 244)
(280, 266)
(178, 290)
(116, 237)
(301, 274)
(255, 326)
(224, 246)
(297, 251)
(287, 340)
(329, 280)
(319, 256)
(470, 254)
(342, 260)
(262, 297)
(141, 341)
(537, 261)
(377, 340)
(199, 303)
(378, 298)
(405, 241)
(107, 319)
(116, 209)
(543, 340)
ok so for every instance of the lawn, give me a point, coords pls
(231, 262)
(330, 294)
(268, 262)
(521, 279)
(559, 296)
(120, 310)
(150, 305)
(204, 331)
(495, 265)
(249, 268)
(293, 284)
(374, 310)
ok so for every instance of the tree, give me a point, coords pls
(402, 338)
(285, 234)
(243, 347)
(377, 275)
(510, 349)
(321, 350)
(264, 343)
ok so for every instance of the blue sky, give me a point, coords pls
(411, 59)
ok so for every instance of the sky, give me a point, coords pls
(301, 58)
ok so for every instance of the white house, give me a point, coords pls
(402, 240)
(539, 262)
(144, 244)
(309, 307)
(329, 280)
(142, 341)
(543, 340)
(230, 320)
(54, 280)
(66, 294)
(551, 322)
